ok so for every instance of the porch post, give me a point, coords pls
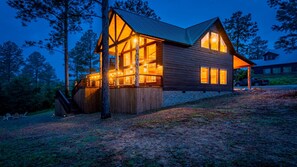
(249, 77)
(137, 62)
(100, 73)
(116, 66)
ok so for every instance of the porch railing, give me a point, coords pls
(145, 80)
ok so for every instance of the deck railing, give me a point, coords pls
(80, 84)
(145, 80)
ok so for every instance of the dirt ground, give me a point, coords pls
(247, 128)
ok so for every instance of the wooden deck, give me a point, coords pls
(122, 100)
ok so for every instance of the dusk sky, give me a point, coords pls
(183, 13)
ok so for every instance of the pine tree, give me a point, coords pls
(11, 60)
(83, 60)
(137, 6)
(63, 16)
(240, 29)
(34, 67)
(287, 15)
(257, 48)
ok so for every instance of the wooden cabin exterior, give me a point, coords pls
(158, 64)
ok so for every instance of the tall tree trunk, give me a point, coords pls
(237, 43)
(90, 65)
(66, 50)
(105, 113)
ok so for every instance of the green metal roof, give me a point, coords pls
(154, 28)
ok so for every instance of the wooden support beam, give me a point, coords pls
(116, 66)
(249, 77)
(137, 62)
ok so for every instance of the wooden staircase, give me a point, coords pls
(65, 106)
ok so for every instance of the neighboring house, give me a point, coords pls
(276, 62)
(158, 64)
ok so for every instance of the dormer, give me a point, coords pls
(270, 56)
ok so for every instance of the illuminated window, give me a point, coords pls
(151, 52)
(141, 71)
(128, 79)
(141, 41)
(149, 40)
(214, 76)
(133, 57)
(141, 55)
(151, 79)
(223, 46)
(204, 74)
(152, 68)
(119, 26)
(111, 29)
(205, 41)
(223, 77)
(127, 60)
(214, 41)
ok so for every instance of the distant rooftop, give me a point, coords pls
(282, 58)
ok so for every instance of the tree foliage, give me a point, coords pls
(240, 29)
(287, 16)
(257, 48)
(32, 82)
(137, 6)
(63, 16)
(38, 69)
(83, 60)
(11, 60)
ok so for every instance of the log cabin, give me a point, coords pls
(159, 64)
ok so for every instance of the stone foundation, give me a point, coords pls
(171, 98)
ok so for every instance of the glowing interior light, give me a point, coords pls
(135, 40)
(214, 39)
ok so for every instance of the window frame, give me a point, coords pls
(220, 37)
(226, 76)
(217, 76)
(207, 75)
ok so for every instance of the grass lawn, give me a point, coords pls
(279, 79)
(252, 128)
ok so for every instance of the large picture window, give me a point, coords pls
(127, 59)
(204, 74)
